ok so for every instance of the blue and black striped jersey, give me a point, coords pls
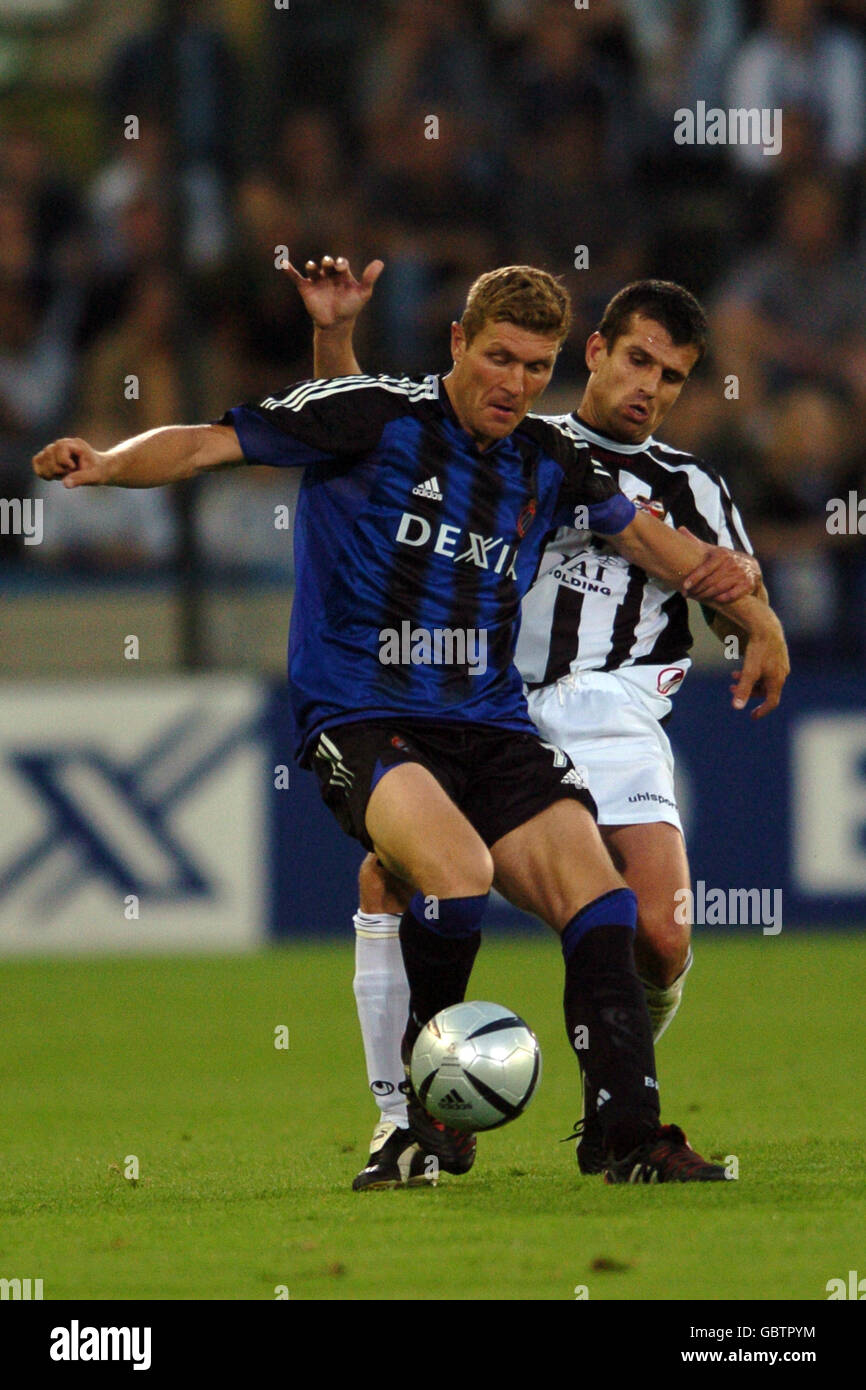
(413, 549)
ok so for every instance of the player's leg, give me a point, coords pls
(612, 734)
(380, 985)
(556, 866)
(419, 835)
(544, 866)
(652, 859)
(382, 1000)
(378, 780)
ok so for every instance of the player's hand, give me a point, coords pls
(765, 669)
(723, 576)
(74, 461)
(331, 294)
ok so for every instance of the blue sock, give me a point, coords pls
(608, 1023)
(439, 938)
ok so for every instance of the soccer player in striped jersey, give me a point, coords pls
(603, 647)
(431, 761)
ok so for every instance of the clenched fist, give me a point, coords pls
(74, 461)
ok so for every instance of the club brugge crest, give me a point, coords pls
(526, 518)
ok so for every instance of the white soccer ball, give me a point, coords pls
(475, 1066)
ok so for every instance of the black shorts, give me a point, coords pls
(498, 778)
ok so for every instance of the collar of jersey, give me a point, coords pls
(606, 441)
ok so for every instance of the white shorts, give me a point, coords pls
(607, 727)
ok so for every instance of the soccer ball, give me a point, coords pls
(475, 1066)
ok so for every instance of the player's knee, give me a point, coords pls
(372, 889)
(476, 875)
(467, 872)
(661, 947)
(379, 891)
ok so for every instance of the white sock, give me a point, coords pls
(382, 997)
(663, 1003)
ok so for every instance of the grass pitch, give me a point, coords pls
(246, 1151)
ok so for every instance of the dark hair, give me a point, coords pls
(669, 304)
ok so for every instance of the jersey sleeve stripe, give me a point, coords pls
(307, 391)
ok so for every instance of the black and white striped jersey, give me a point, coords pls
(589, 609)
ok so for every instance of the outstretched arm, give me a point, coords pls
(334, 299)
(160, 456)
(671, 556)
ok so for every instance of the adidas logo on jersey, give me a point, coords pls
(429, 489)
(454, 1101)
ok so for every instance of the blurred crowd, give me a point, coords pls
(447, 137)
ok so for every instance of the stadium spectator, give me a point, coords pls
(560, 74)
(128, 377)
(140, 239)
(428, 56)
(142, 168)
(254, 303)
(131, 375)
(184, 78)
(808, 459)
(310, 169)
(187, 74)
(311, 54)
(38, 322)
(138, 169)
(798, 60)
(587, 221)
(53, 205)
(683, 49)
(429, 216)
(796, 306)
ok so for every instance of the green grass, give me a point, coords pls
(246, 1152)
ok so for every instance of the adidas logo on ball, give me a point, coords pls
(454, 1101)
(475, 1066)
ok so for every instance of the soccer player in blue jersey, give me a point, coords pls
(602, 648)
(425, 503)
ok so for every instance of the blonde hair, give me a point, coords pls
(519, 294)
